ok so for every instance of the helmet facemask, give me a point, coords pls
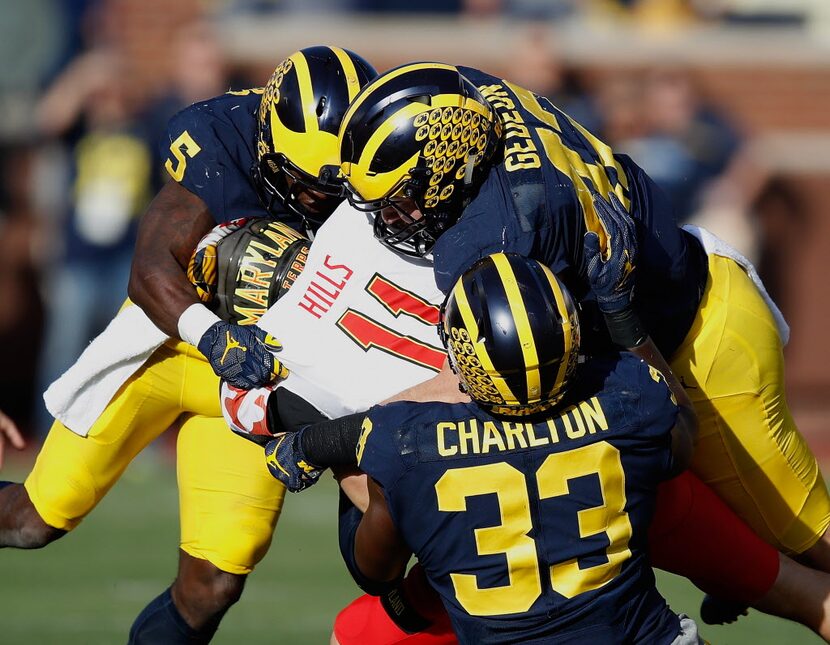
(282, 181)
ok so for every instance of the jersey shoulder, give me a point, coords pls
(209, 148)
(388, 443)
(637, 388)
(212, 126)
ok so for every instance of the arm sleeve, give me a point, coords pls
(191, 154)
(333, 443)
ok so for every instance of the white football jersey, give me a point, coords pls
(360, 324)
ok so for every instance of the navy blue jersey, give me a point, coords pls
(535, 529)
(210, 149)
(536, 201)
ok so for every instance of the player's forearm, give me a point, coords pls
(443, 387)
(650, 354)
(380, 554)
(168, 233)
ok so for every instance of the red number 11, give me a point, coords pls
(369, 333)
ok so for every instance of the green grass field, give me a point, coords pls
(87, 588)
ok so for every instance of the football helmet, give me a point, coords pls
(418, 136)
(512, 334)
(299, 117)
(244, 266)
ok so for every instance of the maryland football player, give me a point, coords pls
(460, 164)
(227, 157)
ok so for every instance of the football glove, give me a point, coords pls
(242, 356)
(612, 277)
(246, 411)
(286, 462)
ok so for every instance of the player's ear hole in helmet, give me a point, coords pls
(299, 116)
(242, 267)
(415, 146)
(512, 334)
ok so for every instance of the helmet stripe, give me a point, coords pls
(481, 351)
(349, 71)
(385, 78)
(567, 327)
(306, 92)
(373, 186)
(523, 328)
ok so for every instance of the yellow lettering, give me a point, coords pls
(514, 431)
(468, 436)
(525, 161)
(516, 130)
(491, 438)
(533, 439)
(365, 431)
(253, 90)
(518, 147)
(594, 415)
(258, 296)
(183, 147)
(258, 257)
(443, 450)
(280, 240)
(580, 426)
(254, 276)
(251, 314)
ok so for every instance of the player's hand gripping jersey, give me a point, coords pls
(545, 519)
(537, 202)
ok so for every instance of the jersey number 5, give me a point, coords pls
(183, 147)
(510, 537)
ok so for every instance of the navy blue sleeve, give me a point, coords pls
(209, 149)
(655, 412)
(488, 225)
(378, 452)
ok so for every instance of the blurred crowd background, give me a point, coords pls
(726, 103)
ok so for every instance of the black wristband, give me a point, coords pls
(402, 613)
(625, 328)
(333, 443)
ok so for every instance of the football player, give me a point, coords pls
(360, 325)
(227, 156)
(552, 469)
(458, 164)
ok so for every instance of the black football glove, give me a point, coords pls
(242, 355)
(286, 462)
(612, 277)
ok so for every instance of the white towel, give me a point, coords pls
(80, 395)
(713, 245)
